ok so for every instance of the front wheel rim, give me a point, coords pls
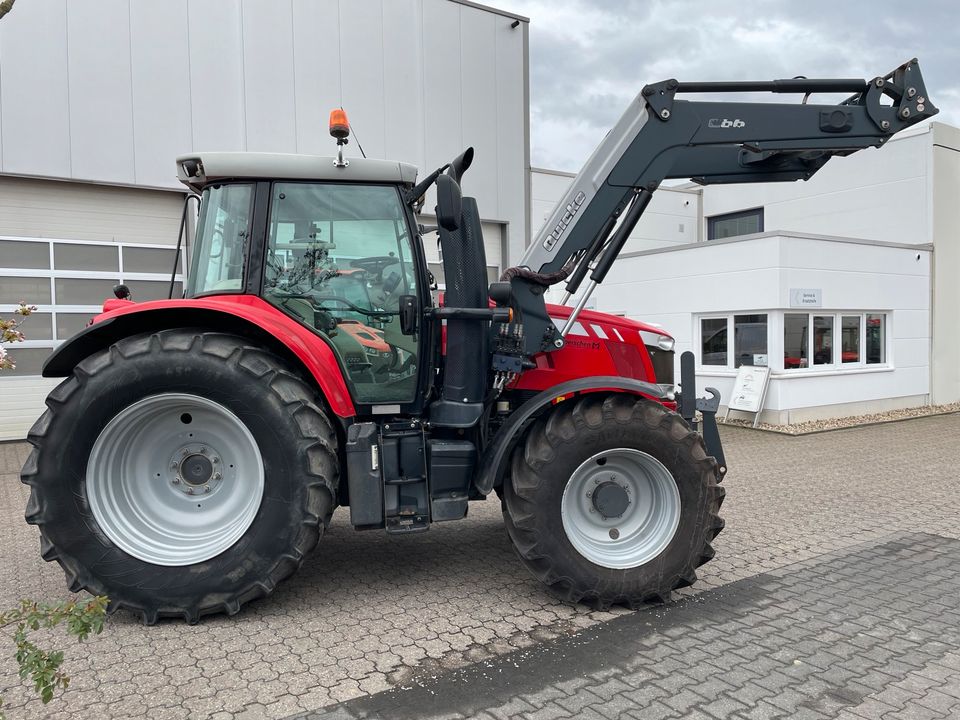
(175, 479)
(620, 508)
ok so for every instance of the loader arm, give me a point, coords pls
(661, 137)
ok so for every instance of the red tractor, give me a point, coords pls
(198, 446)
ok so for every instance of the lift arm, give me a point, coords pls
(661, 137)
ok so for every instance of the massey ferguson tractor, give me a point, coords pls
(198, 446)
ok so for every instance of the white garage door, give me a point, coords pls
(63, 246)
(492, 247)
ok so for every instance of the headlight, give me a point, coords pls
(665, 342)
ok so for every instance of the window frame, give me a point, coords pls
(252, 251)
(837, 364)
(730, 318)
(51, 274)
(749, 212)
(714, 316)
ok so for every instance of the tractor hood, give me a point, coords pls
(650, 333)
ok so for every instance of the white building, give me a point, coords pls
(97, 99)
(845, 285)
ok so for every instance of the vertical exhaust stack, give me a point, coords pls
(465, 380)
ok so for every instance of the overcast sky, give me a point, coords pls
(589, 58)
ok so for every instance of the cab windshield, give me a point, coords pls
(339, 257)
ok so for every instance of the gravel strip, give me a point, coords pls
(815, 426)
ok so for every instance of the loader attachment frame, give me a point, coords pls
(661, 137)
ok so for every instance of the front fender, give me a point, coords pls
(245, 315)
(497, 453)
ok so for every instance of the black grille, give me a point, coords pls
(662, 364)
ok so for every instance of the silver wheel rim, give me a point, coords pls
(631, 481)
(175, 479)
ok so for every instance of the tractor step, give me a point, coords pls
(400, 524)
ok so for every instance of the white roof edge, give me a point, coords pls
(288, 166)
(490, 9)
(784, 234)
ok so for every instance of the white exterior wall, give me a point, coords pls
(945, 181)
(755, 275)
(112, 91)
(876, 194)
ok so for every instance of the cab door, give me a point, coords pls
(339, 257)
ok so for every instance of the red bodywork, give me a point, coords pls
(601, 345)
(312, 351)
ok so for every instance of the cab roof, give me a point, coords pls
(197, 170)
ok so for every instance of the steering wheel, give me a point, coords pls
(376, 264)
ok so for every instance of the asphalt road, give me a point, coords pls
(835, 593)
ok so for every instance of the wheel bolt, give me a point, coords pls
(215, 459)
(174, 466)
(589, 494)
(592, 510)
(206, 488)
(189, 491)
(176, 481)
(203, 451)
(217, 476)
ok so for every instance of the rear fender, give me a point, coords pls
(497, 453)
(243, 315)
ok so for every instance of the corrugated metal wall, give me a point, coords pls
(113, 90)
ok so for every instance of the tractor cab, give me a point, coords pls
(330, 244)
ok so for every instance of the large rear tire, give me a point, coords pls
(181, 473)
(612, 499)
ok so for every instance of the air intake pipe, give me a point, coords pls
(468, 344)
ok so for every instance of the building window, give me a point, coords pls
(749, 340)
(745, 222)
(861, 338)
(795, 329)
(823, 340)
(876, 338)
(850, 339)
(713, 341)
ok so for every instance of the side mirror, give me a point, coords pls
(409, 312)
(449, 203)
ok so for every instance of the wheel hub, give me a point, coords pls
(611, 499)
(620, 508)
(196, 469)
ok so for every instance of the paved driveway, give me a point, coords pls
(836, 589)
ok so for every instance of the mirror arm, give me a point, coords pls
(421, 187)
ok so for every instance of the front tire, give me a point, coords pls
(181, 474)
(612, 499)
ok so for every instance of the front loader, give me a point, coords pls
(198, 446)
